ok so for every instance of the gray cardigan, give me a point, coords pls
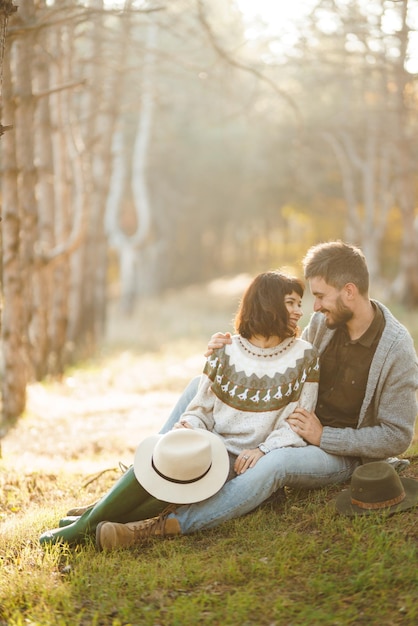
(387, 416)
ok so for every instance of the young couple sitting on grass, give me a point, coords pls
(273, 410)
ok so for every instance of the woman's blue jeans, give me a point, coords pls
(307, 467)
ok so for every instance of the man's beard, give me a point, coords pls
(340, 316)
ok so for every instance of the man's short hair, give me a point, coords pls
(338, 263)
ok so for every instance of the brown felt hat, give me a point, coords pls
(377, 488)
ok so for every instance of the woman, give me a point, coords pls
(251, 386)
(247, 391)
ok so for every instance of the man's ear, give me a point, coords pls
(350, 290)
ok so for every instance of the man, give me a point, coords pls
(366, 405)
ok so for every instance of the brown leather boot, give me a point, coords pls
(110, 535)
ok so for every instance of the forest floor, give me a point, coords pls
(304, 566)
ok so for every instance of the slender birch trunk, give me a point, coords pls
(128, 245)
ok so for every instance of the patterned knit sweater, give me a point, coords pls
(247, 393)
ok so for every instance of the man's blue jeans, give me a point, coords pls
(307, 467)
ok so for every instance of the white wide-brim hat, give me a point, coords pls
(182, 466)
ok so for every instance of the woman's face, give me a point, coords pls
(293, 304)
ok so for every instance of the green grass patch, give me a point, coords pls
(293, 563)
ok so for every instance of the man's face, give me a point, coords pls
(330, 302)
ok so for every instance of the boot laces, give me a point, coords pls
(148, 528)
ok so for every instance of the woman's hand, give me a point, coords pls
(182, 424)
(218, 340)
(247, 459)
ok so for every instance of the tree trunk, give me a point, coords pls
(67, 212)
(43, 133)
(406, 284)
(24, 117)
(15, 373)
(129, 245)
(100, 107)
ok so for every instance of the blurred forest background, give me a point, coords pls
(151, 145)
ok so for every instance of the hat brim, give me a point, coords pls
(175, 493)
(344, 505)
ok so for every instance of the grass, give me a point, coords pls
(293, 562)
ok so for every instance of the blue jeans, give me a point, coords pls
(182, 404)
(307, 467)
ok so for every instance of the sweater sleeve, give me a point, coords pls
(199, 412)
(282, 435)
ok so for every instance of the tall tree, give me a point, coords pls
(130, 181)
(406, 284)
(15, 375)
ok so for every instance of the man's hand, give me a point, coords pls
(247, 459)
(218, 340)
(307, 425)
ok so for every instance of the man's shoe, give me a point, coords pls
(397, 463)
(110, 535)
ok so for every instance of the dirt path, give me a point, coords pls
(98, 414)
(93, 419)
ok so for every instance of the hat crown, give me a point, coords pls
(182, 456)
(183, 465)
(376, 485)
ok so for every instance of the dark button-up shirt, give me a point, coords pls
(344, 371)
